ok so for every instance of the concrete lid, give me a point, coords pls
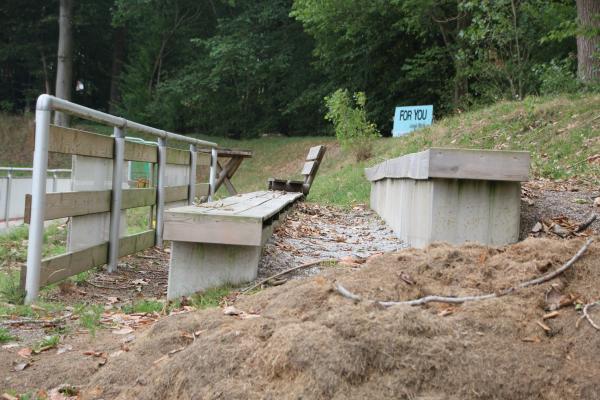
(493, 165)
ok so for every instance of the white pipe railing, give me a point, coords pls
(9, 182)
(45, 105)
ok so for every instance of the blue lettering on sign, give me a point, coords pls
(407, 119)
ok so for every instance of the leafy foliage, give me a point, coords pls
(349, 118)
(244, 68)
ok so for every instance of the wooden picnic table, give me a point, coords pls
(226, 171)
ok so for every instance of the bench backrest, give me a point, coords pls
(311, 166)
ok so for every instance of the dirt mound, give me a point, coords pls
(310, 342)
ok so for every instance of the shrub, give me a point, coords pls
(557, 76)
(352, 129)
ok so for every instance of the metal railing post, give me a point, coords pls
(160, 190)
(193, 162)
(115, 207)
(54, 183)
(7, 203)
(38, 200)
(213, 172)
(152, 208)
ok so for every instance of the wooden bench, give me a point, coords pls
(311, 166)
(220, 242)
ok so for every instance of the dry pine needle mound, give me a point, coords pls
(311, 343)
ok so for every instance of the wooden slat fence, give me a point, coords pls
(80, 203)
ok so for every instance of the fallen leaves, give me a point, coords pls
(555, 299)
(561, 227)
(20, 366)
(532, 339)
(232, 311)
(406, 278)
(25, 352)
(100, 355)
(123, 331)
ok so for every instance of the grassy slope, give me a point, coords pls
(560, 132)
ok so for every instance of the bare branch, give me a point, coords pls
(308, 264)
(458, 300)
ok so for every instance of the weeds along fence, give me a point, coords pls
(97, 201)
(17, 184)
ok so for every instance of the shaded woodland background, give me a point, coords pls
(242, 68)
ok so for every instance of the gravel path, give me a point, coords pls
(543, 201)
(314, 232)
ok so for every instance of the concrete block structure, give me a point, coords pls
(451, 195)
(220, 242)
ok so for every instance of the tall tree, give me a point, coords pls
(588, 40)
(64, 71)
(117, 67)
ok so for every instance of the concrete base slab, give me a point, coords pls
(449, 210)
(199, 266)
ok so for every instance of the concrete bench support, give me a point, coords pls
(199, 266)
(220, 242)
(451, 195)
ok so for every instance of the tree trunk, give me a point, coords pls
(64, 70)
(588, 15)
(117, 67)
(46, 76)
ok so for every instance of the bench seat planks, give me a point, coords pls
(236, 220)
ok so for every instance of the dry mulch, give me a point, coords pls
(303, 340)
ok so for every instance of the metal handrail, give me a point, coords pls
(12, 169)
(45, 102)
(45, 105)
(9, 178)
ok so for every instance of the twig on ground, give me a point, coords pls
(457, 300)
(110, 287)
(584, 225)
(587, 316)
(36, 320)
(308, 264)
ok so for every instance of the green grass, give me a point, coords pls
(10, 289)
(39, 310)
(143, 306)
(6, 336)
(89, 316)
(81, 277)
(210, 297)
(13, 253)
(46, 343)
(137, 220)
(13, 243)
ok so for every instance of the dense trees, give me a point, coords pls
(241, 68)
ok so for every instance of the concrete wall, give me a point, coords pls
(19, 188)
(176, 175)
(450, 210)
(91, 173)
